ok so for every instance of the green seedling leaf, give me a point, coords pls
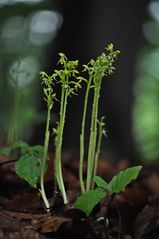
(36, 150)
(19, 145)
(87, 201)
(121, 180)
(7, 151)
(29, 168)
(100, 182)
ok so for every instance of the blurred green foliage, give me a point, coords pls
(146, 110)
(146, 90)
(26, 30)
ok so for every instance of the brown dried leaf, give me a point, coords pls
(52, 224)
(43, 222)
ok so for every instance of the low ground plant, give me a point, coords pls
(87, 201)
(32, 162)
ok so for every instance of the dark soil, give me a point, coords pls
(132, 214)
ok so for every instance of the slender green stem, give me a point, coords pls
(58, 164)
(58, 145)
(100, 134)
(45, 157)
(93, 136)
(97, 96)
(82, 136)
(91, 148)
(63, 191)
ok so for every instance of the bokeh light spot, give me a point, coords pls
(13, 33)
(23, 71)
(151, 32)
(154, 10)
(12, 2)
(43, 27)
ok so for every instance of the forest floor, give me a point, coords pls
(128, 215)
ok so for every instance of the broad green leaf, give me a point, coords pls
(121, 180)
(8, 150)
(37, 150)
(88, 200)
(19, 145)
(28, 167)
(100, 182)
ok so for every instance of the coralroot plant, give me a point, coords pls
(70, 83)
(49, 97)
(32, 162)
(96, 70)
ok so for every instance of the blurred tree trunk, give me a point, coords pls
(88, 27)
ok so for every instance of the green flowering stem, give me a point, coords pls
(101, 132)
(59, 139)
(68, 88)
(93, 136)
(97, 70)
(49, 97)
(45, 157)
(82, 135)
